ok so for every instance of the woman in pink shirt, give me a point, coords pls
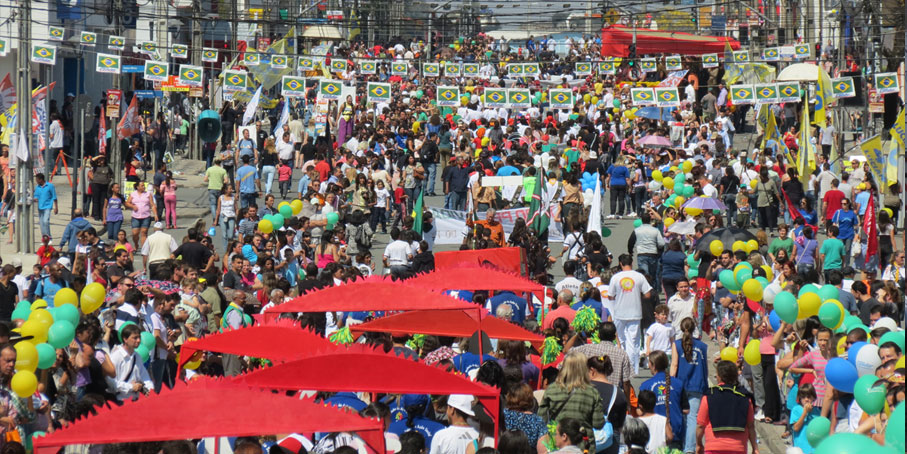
(141, 202)
(169, 189)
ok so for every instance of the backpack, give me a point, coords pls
(362, 237)
(604, 437)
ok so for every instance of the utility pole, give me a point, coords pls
(194, 151)
(24, 173)
(115, 156)
(235, 20)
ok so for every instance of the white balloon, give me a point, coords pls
(868, 360)
(770, 292)
(654, 185)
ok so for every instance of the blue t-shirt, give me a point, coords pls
(800, 440)
(862, 199)
(694, 374)
(469, 362)
(246, 147)
(672, 265)
(517, 304)
(246, 175)
(658, 385)
(347, 400)
(47, 290)
(845, 220)
(421, 424)
(46, 195)
(603, 313)
(464, 295)
(619, 175)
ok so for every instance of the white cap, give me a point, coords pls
(462, 402)
(64, 261)
(159, 225)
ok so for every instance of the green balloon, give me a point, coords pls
(616, 103)
(332, 217)
(891, 336)
(637, 223)
(870, 397)
(817, 430)
(678, 185)
(67, 312)
(808, 288)
(606, 232)
(21, 314)
(786, 306)
(120, 331)
(829, 315)
(763, 281)
(148, 340)
(681, 177)
(691, 260)
(742, 275)
(828, 292)
(47, 355)
(894, 434)
(60, 334)
(693, 273)
(688, 191)
(852, 321)
(276, 220)
(727, 280)
(144, 353)
(286, 211)
(847, 443)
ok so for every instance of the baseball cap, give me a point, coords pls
(159, 225)
(64, 261)
(462, 402)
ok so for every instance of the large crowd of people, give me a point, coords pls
(300, 205)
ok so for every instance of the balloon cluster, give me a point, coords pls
(45, 330)
(285, 211)
(588, 182)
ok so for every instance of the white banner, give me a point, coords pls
(451, 224)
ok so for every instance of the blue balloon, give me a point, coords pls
(774, 320)
(841, 374)
(587, 176)
(212, 231)
(852, 352)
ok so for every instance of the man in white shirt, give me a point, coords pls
(55, 137)
(569, 282)
(398, 255)
(626, 290)
(131, 376)
(681, 306)
(456, 437)
(707, 188)
(157, 248)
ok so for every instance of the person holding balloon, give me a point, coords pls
(814, 361)
(132, 377)
(803, 413)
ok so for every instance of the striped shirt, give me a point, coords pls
(814, 360)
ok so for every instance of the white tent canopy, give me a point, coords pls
(800, 72)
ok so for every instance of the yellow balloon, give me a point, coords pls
(693, 211)
(678, 202)
(587, 97)
(296, 205)
(485, 141)
(808, 305)
(668, 182)
(656, 175)
(674, 169)
(753, 183)
(752, 289)
(687, 166)
(716, 247)
(282, 204)
(841, 347)
(598, 87)
(630, 114)
(415, 127)
(24, 383)
(595, 100)
(769, 274)
(26, 356)
(36, 330)
(751, 353)
(192, 365)
(92, 297)
(42, 316)
(738, 246)
(66, 296)
(265, 226)
(900, 363)
(668, 222)
(752, 245)
(39, 304)
(729, 354)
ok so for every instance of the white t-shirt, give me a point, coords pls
(453, 440)
(158, 323)
(656, 425)
(398, 253)
(680, 309)
(662, 336)
(626, 289)
(569, 283)
(381, 197)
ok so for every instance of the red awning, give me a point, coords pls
(448, 323)
(368, 372)
(209, 408)
(279, 341)
(371, 294)
(616, 40)
(475, 278)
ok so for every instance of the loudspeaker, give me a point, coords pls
(859, 100)
(209, 126)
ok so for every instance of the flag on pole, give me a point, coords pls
(806, 162)
(251, 107)
(284, 117)
(102, 134)
(872, 149)
(8, 94)
(871, 228)
(538, 219)
(824, 95)
(129, 124)
(417, 212)
(595, 212)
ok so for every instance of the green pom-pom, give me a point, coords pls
(416, 342)
(550, 349)
(586, 320)
(342, 336)
(552, 435)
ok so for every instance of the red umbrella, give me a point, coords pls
(475, 278)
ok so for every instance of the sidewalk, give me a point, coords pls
(186, 173)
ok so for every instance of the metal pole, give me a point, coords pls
(77, 163)
(82, 154)
(24, 173)
(115, 155)
(194, 149)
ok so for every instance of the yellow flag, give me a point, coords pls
(823, 97)
(891, 170)
(898, 131)
(806, 159)
(872, 149)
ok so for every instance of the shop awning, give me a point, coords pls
(616, 40)
(209, 408)
(475, 278)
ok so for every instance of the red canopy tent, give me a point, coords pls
(616, 40)
(475, 278)
(371, 294)
(448, 323)
(369, 372)
(278, 341)
(209, 408)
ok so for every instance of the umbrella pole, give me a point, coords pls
(479, 331)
